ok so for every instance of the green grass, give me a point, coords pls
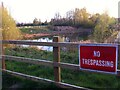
(25, 84)
(79, 78)
(42, 29)
(90, 80)
(30, 69)
(66, 57)
(29, 53)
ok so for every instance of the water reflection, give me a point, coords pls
(63, 38)
(47, 48)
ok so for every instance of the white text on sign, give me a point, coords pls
(96, 53)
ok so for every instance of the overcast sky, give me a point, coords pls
(27, 10)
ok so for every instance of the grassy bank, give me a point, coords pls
(84, 79)
(11, 82)
(35, 30)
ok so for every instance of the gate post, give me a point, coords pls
(56, 59)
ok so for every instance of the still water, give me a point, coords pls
(47, 48)
(70, 38)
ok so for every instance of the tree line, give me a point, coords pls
(102, 24)
(78, 18)
(36, 22)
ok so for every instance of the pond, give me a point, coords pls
(46, 39)
(47, 48)
(63, 38)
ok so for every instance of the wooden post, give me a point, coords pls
(56, 58)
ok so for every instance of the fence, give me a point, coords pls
(56, 61)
